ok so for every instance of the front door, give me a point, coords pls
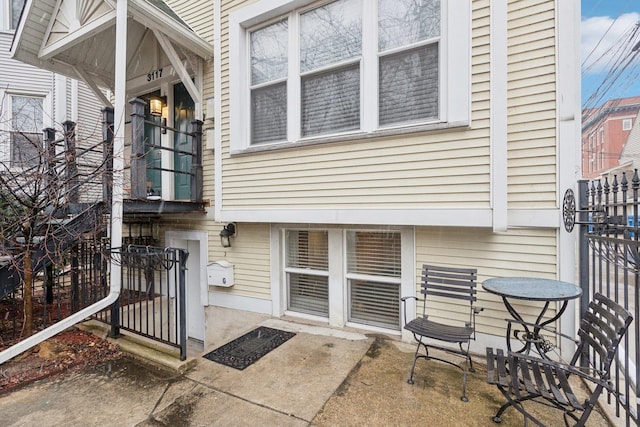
(195, 307)
(152, 144)
(184, 114)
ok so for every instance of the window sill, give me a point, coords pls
(356, 136)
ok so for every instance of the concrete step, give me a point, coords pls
(141, 348)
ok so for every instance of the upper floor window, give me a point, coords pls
(15, 8)
(627, 124)
(25, 135)
(346, 67)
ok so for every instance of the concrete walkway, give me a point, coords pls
(320, 377)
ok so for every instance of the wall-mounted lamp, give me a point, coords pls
(155, 108)
(228, 231)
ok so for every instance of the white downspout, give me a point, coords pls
(116, 205)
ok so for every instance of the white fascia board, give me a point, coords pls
(83, 33)
(151, 17)
(434, 217)
(521, 218)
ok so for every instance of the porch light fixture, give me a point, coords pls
(155, 106)
(228, 231)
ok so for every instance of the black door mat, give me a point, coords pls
(250, 347)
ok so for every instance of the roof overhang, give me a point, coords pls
(76, 38)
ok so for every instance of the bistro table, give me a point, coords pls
(531, 289)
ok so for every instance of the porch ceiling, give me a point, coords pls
(76, 38)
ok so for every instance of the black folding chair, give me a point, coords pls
(523, 378)
(449, 286)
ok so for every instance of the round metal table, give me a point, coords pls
(531, 289)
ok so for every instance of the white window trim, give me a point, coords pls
(627, 124)
(6, 121)
(455, 75)
(5, 16)
(338, 298)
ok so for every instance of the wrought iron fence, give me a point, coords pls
(66, 284)
(151, 304)
(152, 300)
(610, 264)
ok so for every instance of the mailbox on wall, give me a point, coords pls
(220, 273)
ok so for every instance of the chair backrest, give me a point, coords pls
(602, 327)
(449, 282)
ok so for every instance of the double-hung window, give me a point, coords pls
(307, 271)
(308, 71)
(14, 8)
(374, 274)
(348, 276)
(25, 135)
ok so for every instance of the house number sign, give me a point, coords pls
(154, 75)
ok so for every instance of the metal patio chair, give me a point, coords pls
(444, 285)
(523, 378)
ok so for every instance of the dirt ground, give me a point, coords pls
(434, 399)
(68, 351)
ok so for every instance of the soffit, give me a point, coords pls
(65, 36)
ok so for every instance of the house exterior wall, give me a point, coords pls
(482, 191)
(17, 77)
(447, 173)
(532, 136)
(65, 99)
(362, 173)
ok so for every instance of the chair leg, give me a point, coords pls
(415, 359)
(464, 385)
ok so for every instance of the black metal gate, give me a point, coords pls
(610, 264)
(152, 301)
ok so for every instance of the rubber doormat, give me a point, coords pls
(249, 348)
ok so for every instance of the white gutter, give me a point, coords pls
(116, 204)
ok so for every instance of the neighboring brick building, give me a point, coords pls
(604, 132)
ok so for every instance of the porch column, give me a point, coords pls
(120, 91)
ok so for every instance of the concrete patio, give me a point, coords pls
(320, 377)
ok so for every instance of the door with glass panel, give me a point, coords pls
(152, 144)
(184, 114)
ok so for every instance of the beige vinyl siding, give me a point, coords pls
(520, 252)
(17, 76)
(198, 14)
(250, 253)
(89, 132)
(428, 170)
(532, 153)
